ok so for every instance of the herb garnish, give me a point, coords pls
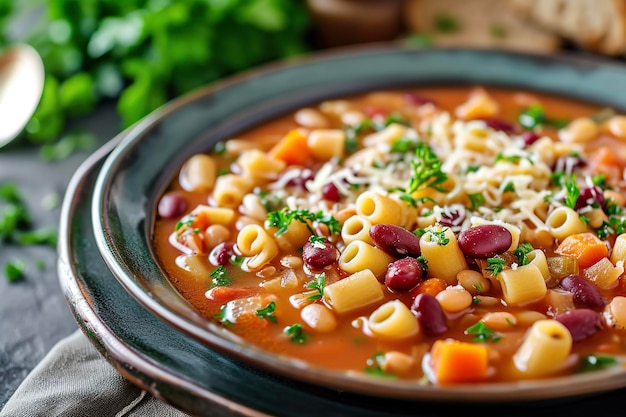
(439, 236)
(482, 333)
(522, 253)
(595, 363)
(282, 219)
(296, 334)
(495, 265)
(427, 171)
(375, 366)
(267, 312)
(317, 284)
(476, 200)
(220, 277)
(535, 116)
(572, 192)
(14, 270)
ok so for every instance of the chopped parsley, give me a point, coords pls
(220, 277)
(482, 333)
(426, 167)
(269, 201)
(476, 200)
(281, 219)
(267, 312)
(439, 236)
(595, 363)
(508, 188)
(221, 316)
(296, 334)
(317, 284)
(185, 221)
(495, 265)
(422, 260)
(236, 260)
(14, 270)
(374, 366)
(535, 116)
(614, 225)
(572, 191)
(404, 145)
(522, 253)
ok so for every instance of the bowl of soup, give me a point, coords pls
(441, 224)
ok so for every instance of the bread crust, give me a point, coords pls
(480, 23)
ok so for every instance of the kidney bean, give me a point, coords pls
(589, 196)
(430, 314)
(501, 125)
(301, 180)
(585, 293)
(395, 240)
(173, 204)
(582, 323)
(529, 137)
(319, 254)
(404, 274)
(331, 192)
(220, 254)
(417, 100)
(452, 217)
(485, 241)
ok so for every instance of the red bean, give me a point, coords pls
(404, 274)
(331, 192)
(221, 254)
(430, 314)
(319, 254)
(586, 295)
(501, 125)
(485, 241)
(395, 240)
(530, 137)
(582, 323)
(172, 205)
(417, 100)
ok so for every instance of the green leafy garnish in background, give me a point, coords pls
(141, 53)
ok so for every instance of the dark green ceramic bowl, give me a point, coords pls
(138, 170)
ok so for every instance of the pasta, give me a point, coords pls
(545, 349)
(393, 320)
(454, 235)
(354, 292)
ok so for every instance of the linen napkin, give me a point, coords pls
(74, 380)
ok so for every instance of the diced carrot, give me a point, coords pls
(226, 294)
(606, 161)
(292, 148)
(431, 286)
(587, 248)
(454, 361)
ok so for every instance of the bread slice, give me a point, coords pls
(595, 25)
(477, 23)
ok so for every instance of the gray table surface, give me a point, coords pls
(33, 313)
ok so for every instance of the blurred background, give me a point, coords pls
(138, 54)
(108, 63)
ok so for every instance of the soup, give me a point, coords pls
(440, 235)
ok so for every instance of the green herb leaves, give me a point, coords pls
(426, 170)
(282, 219)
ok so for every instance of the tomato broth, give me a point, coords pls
(445, 234)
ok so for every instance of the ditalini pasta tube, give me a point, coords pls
(441, 249)
(378, 208)
(356, 291)
(522, 285)
(359, 255)
(393, 320)
(546, 347)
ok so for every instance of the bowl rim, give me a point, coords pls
(218, 338)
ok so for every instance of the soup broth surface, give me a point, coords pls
(444, 234)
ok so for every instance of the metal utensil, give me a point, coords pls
(21, 85)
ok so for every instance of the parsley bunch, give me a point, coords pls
(141, 53)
